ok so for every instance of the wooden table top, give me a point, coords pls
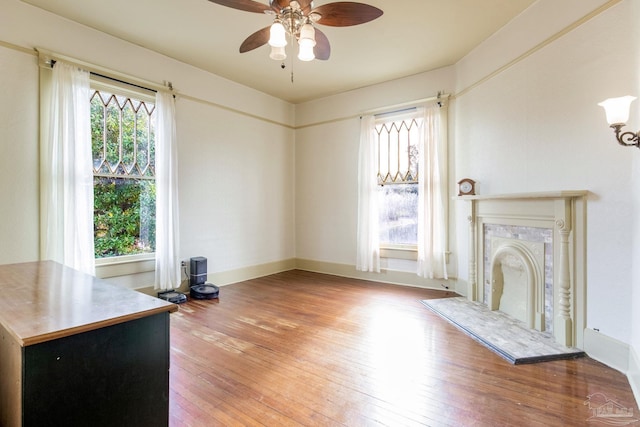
(43, 301)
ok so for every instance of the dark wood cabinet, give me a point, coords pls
(77, 351)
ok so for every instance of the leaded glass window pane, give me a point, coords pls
(398, 174)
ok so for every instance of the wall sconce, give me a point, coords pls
(617, 111)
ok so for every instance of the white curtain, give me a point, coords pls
(432, 192)
(167, 238)
(368, 245)
(66, 174)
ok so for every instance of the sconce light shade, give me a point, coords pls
(277, 35)
(278, 53)
(617, 109)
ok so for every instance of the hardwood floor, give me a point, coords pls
(300, 348)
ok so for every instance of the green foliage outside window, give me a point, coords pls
(124, 216)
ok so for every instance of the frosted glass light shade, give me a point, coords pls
(277, 35)
(307, 36)
(278, 53)
(306, 53)
(617, 109)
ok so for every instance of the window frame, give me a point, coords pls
(123, 265)
(409, 252)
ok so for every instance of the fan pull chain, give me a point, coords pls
(291, 59)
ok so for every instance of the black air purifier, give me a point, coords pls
(199, 289)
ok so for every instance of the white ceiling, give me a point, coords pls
(411, 37)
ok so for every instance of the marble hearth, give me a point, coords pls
(527, 259)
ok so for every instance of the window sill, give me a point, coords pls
(125, 265)
(409, 252)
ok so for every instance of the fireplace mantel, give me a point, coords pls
(520, 196)
(564, 212)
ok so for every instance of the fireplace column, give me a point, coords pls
(472, 287)
(563, 325)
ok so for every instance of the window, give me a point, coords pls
(397, 142)
(123, 151)
(402, 172)
(108, 148)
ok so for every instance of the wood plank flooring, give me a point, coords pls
(306, 349)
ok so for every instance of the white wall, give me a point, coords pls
(634, 364)
(18, 157)
(326, 191)
(236, 171)
(535, 126)
(236, 188)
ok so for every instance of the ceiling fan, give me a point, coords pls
(296, 19)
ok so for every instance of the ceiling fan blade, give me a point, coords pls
(322, 49)
(346, 13)
(305, 6)
(246, 5)
(255, 40)
(278, 5)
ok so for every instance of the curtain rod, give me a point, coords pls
(113, 79)
(123, 82)
(393, 112)
(48, 58)
(405, 105)
(387, 109)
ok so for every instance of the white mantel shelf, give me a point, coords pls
(568, 194)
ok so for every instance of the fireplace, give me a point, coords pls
(516, 261)
(527, 259)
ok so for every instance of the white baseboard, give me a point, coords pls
(616, 355)
(403, 278)
(233, 276)
(633, 374)
(247, 273)
(607, 350)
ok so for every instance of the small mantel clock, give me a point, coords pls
(466, 187)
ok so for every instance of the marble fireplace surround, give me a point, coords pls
(558, 221)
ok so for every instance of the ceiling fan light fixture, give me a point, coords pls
(296, 19)
(278, 53)
(306, 53)
(277, 35)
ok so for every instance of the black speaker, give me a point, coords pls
(197, 270)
